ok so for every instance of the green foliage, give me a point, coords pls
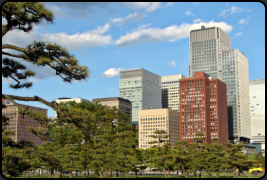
(22, 16)
(12, 163)
(216, 156)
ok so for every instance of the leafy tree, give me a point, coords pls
(216, 156)
(149, 154)
(124, 144)
(236, 160)
(22, 16)
(138, 161)
(29, 156)
(12, 163)
(182, 156)
(50, 155)
(200, 153)
(164, 158)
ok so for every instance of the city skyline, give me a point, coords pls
(161, 43)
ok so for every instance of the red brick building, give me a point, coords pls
(203, 108)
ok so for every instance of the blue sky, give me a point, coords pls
(108, 37)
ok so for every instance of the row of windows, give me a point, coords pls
(155, 118)
(153, 122)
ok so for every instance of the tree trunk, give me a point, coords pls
(117, 173)
(218, 174)
(168, 173)
(38, 173)
(70, 174)
(234, 172)
(209, 172)
(110, 172)
(136, 176)
(199, 175)
(27, 173)
(164, 171)
(243, 174)
(122, 174)
(61, 174)
(105, 174)
(185, 175)
(101, 175)
(88, 171)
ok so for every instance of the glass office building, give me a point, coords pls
(170, 91)
(142, 88)
(210, 52)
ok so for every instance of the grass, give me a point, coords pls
(203, 175)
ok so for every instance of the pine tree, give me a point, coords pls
(22, 16)
(200, 154)
(216, 156)
(50, 156)
(124, 143)
(182, 156)
(164, 157)
(236, 159)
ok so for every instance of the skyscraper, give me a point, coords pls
(170, 91)
(203, 108)
(257, 113)
(210, 52)
(142, 88)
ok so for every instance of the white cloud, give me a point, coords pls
(243, 21)
(232, 10)
(130, 18)
(172, 63)
(111, 72)
(171, 33)
(148, 6)
(197, 20)
(84, 9)
(238, 34)
(188, 13)
(85, 39)
(196, 3)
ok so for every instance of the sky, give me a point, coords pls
(108, 37)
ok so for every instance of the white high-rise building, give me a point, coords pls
(210, 52)
(170, 91)
(257, 113)
(142, 88)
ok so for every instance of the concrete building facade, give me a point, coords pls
(16, 124)
(257, 113)
(151, 120)
(210, 52)
(170, 91)
(123, 104)
(203, 108)
(142, 88)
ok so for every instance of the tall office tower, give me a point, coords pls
(170, 91)
(203, 108)
(210, 52)
(123, 104)
(257, 113)
(142, 88)
(16, 124)
(218, 111)
(158, 119)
